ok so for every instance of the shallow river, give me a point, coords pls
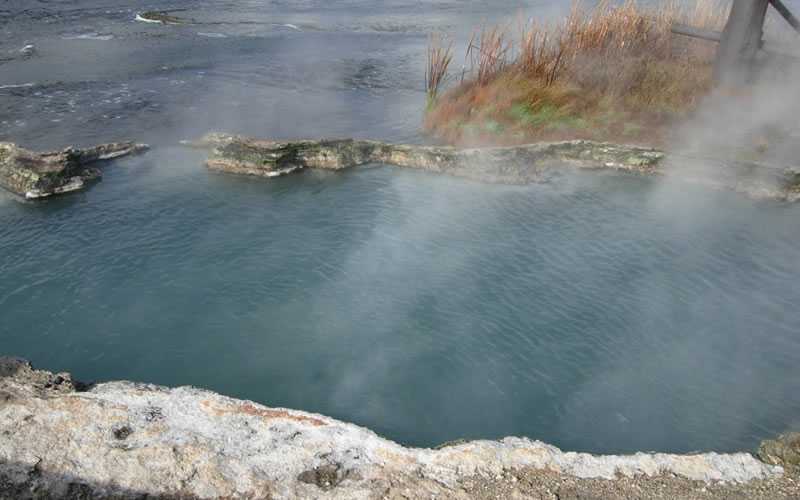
(599, 313)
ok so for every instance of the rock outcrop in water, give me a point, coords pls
(160, 17)
(507, 165)
(63, 439)
(38, 175)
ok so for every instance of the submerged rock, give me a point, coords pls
(507, 165)
(128, 440)
(26, 52)
(160, 17)
(29, 50)
(39, 175)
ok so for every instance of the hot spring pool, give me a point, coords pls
(601, 313)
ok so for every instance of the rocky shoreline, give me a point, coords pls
(63, 439)
(34, 175)
(532, 163)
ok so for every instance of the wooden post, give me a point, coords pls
(786, 13)
(740, 42)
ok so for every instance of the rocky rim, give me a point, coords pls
(63, 439)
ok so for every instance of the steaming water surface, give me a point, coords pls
(598, 313)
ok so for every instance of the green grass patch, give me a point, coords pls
(547, 117)
(631, 128)
(534, 117)
(493, 127)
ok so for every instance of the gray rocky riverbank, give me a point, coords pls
(63, 439)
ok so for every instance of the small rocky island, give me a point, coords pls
(60, 438)
(539, 162)
(39, 175)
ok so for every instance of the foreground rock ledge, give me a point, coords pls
(506, 165)
(39, 175)
(62, 439)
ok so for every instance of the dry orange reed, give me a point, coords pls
(619, 53)
(439, 58)
(488, 53)
(609, 32)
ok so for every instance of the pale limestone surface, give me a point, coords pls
(128, 439)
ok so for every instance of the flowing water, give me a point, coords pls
(599, 313)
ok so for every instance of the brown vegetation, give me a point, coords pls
(439, 58)
(613, 73)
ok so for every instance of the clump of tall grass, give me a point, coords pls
(439, 58)
(540, 52)
(488, 52)
(610, 64)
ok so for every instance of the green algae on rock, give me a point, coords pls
(39, 175)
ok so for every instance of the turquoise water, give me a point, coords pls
(594, 313)
(598, 312)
